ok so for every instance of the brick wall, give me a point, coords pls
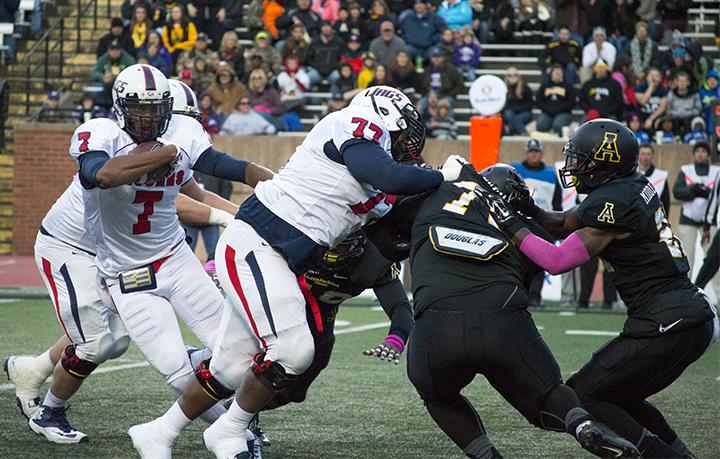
(43, 170)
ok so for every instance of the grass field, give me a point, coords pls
(359, 407)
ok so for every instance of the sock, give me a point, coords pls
(651, 446)
(480, 448)
(174, 419)
(238, 418)
(53, 401)
(681, 447)
(43, 364)
(575, 418)
(213, 413)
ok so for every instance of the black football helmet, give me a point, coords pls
(506, 182)
(347, 251)
(599, 151)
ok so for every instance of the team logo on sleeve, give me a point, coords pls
(608, 150)
(607, 215)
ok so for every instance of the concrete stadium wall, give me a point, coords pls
(43, 167)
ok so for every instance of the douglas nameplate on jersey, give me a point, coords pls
(465, 243)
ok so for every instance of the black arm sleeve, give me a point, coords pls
(557, 198)
(711, 264)
(681, 191)
(665, 200)
(369, 163)
(218, 164)
(90, 164)
(395, 303)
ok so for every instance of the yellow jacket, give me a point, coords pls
(177, 39)
(365, 77)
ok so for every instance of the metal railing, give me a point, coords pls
(42, 47)
(4, 101)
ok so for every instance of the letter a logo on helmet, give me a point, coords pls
(608, 150)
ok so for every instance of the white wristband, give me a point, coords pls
(220, 217)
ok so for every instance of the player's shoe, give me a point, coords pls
(254, 445)
(53, 425)
(151, 440)
(254, 427)
(224, 442)
(22, 373)
(603, 442)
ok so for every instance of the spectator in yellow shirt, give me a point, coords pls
(367, 72)
(179, 33)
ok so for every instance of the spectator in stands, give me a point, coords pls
(698, 63)
(442, 126)
(202, 75)
(387, 46)
(246, 121)
(647, 11)
(651, 97)
(179, 33)
(324, 54)
(622, 73)
(482, 13)
(694, 187)
(271, 11)
(467, 55)
(533, 17)
(298, 43)
(226, 91)
(293, 83)
(231, 52)
(107, 67)
(186, 76)
(211, 119)
(698, 132)
(518, 107)
(378, 13)
(643, 51)
(156, 55)
(555, 99)
(457, 14)
(657, 177)
(504, 21)
(266, 51)
(327, 9)
(342, 88)
(403, 71)
(51, 111)
(674, 15)
(602, 94)
(680, 64)
(207, 17)
(667, 59)
(621, 25)
(381, 78)
(117, 33)
(186, 60)
(301, 14)
(597, 14)
(710, 94)
(87, 109)
(253, 16)
(665, 131)
(632, 119)
(683, 103)
(421, 30)
(599, 49)
(563, 51)
(266, 100)
(140, 25)
(352, 54)
(367, 72)
(447, 44)
(442, 78)
(349, 25)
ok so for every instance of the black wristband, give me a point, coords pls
(513, 225)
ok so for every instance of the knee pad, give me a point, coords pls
(212, 387)
(271, 374)
(74, 365)
(103, 348)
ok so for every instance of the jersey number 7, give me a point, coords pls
(148, 198)
(362, 123)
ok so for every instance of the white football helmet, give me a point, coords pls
(401, 118)
(142, 102)
(184, 100)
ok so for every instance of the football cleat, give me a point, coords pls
(254, 446)
(224, 442)
(598, 439)
(53, 425)
(151, 441)
(254, 427)
(27, 380)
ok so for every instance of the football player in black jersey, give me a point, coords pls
(470, 297)
(345, 272)
(670, 321)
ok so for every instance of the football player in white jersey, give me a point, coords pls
(343, 175)
(65, 257)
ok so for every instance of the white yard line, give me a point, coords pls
(591, 333)
(360, 328)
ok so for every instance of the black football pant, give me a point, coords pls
(458, 338)
(711, 264)
(324, 342)
(587, 281)
(614, 384)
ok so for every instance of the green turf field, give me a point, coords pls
(359, 407)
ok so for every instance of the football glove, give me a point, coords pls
(452, 167)
(519, 200)
(212, 272)
(391, 349)
(220, 218)
(499, 211)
